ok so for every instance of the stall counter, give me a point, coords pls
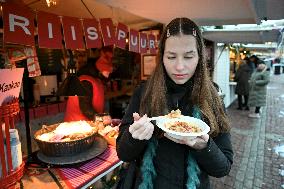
(83, 175)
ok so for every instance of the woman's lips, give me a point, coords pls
(180, 76)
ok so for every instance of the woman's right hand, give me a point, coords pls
(142, 128)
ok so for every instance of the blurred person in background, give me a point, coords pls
(242, 77)
(254, 61)
(258, 88)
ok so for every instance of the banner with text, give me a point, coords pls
(77, 33)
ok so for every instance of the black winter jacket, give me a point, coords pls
(171, 158)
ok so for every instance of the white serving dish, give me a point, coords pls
(162, 120)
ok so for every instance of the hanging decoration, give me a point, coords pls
(49, 30)
(18, 24)
(19, 29)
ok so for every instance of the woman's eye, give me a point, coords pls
(171, 57)
(188, 57)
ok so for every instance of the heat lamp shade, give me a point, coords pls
(71, 86)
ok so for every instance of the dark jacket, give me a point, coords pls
(242, 76)
(171, 158)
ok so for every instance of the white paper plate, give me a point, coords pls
(162, 120)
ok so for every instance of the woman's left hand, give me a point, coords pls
(197, 143)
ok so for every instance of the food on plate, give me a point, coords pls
(107, 127)
(110, 134)
(113, 134)
(107, 120)
(182, 126)
(174, 114)
(109, 131)
(68, 131)
(104, 118)
(178, 126)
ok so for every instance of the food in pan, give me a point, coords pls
(68, 131)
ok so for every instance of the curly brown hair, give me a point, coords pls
(204, 94)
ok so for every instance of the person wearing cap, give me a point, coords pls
(92, 77)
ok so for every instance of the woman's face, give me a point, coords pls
(180, 57)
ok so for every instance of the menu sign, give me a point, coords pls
(10, 83)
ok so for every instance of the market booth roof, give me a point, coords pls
(245, 36)
(137, 13)
(217, 13)
(90, 9)
(204, 12)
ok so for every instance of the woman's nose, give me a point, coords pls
(180, 64)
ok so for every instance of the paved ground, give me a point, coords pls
(256, 164)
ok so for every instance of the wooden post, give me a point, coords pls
(2, 150)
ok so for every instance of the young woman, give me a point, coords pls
(180, 81)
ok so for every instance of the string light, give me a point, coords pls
(51, 3)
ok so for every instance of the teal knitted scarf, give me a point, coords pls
(148, 170)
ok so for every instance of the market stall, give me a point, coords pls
(66, 159)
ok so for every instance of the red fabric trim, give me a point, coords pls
(64, 178)
(92, 168)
